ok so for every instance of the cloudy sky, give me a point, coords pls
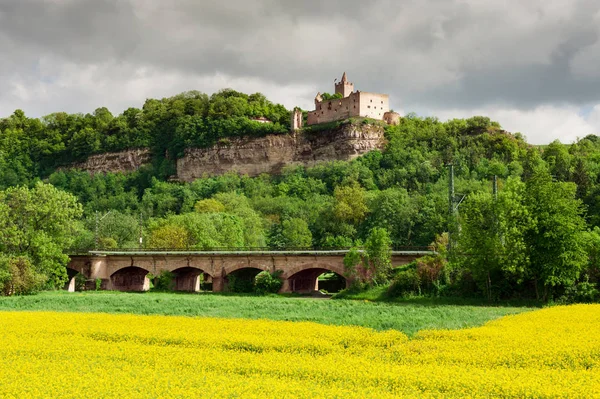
(532, 65)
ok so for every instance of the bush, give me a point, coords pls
(80, 282)
(17, 276)
(583, 291)
(405, 282)
(430, 271)
(240, 284)
(107, 243)
(165, 281)
(268, 283)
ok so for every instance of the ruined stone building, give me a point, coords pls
(351, 104)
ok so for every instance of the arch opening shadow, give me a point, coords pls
(310, 280)
(331, 282)
(130, 278)
(241, 280)
(191, 279)
(71, 284)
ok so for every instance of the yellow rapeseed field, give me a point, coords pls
(554, 352)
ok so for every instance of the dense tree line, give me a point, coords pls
(538, 236)
(33, 147)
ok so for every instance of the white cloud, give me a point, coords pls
(541, 125)
(79, 88)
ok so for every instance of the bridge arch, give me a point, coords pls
(191, 279)
(131, 278)
(332, 267)
(305, 278)
(228, 269)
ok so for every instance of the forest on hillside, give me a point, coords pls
(537, 236)
(34, 147)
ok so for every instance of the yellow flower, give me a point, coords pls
(553, 352)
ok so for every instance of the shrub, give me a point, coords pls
(352, 261)
(378, 249)
(17, 276)
(268, 283)
(584, 291)
(80, 281)
(107, 243)
(405, 282)
(240, 284)
(165, 281)
(430, 270)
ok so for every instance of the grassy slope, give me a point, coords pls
(379, 294)
(407, 317)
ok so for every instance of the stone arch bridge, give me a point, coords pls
(129, 270)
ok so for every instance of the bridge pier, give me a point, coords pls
(285, 287)
(99, 270)
(218, 284)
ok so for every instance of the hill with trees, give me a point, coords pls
(538, 236)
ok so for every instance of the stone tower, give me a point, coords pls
(296, 119)
(318, 99)
(344, 87)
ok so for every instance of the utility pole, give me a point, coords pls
(495, 188)
(97, 234)
(96, 238)
(451, 207)
(141, 229)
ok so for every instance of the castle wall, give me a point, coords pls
(357, 104)
(373, 105)
(335, 110)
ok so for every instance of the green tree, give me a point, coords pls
(558, 158)
(291, 233)
(350, 204)
(251, 221)
(198, 231)
(492, 238)
(378, 251)
(18, 276)
(37, 224)
(169, 236)
(556, 241)
(120, 227)
(209, 206)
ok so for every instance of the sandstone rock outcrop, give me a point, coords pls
(253, 156)
(123, 161)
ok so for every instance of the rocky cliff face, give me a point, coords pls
(253, 156)
(123, 161)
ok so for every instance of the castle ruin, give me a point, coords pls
(350, 104)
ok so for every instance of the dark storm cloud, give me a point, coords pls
(549, 79)
(426, 54)
(85, 31)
